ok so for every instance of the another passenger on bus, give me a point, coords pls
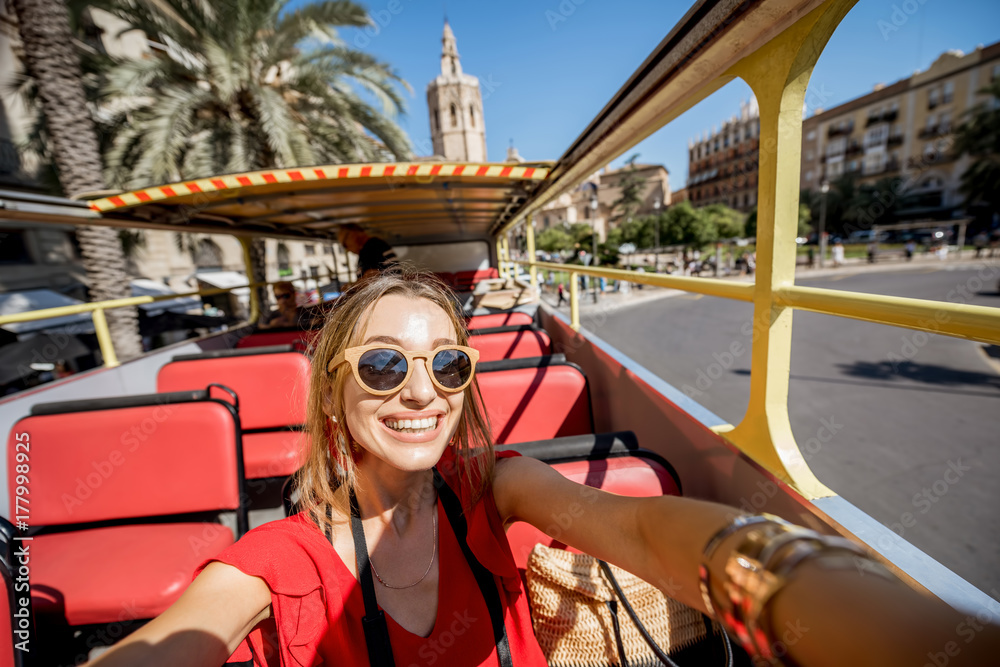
(288, 313)
(373, 253)
(399, 439)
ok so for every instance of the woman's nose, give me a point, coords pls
(419, 388)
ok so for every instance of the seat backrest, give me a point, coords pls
(624, 475)
(172, 455)
(527, 404)
(523, 342)
(272, 388)
(466, 280)
(300, 338)
(499, 320)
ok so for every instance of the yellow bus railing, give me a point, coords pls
(97, 309)
(777, 67)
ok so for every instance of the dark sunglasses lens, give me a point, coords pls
(382, 369)
(452, 368)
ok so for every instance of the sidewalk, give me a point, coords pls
(611, 301)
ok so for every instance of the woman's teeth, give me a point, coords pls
(412, 425)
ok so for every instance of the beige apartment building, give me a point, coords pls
(722, 164)
(576, 207)
(903, 130)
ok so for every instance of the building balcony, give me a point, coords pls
(840, 130)
(934, 131)
(895, 140)
(884, 117)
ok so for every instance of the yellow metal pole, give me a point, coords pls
(248, 264)
(778, 73)
(104, 339)
(500, 265)
(574, 301)
(506, 258)
(530, 236)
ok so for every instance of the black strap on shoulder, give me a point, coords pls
(376, 631)
(484, 578)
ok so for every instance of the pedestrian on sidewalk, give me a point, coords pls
(872, 252)
(838, 254)
(910, 249)
(562, 295)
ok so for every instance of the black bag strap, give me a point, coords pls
(659, 652)
(487, 584)
(373, 622)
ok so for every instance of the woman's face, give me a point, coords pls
(375, 421)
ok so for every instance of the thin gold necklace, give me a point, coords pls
(434, 521)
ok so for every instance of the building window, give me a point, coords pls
(809, 175)
(949, 92)
(208, 255)
(810, 155)
(13, 250)
(876, 135)
(284, 261)
(472, 115)
(944, 125)
(454, 69)
(454, 116)
(314, 271)
(437, 120)
(996, 73)
(933, 96)
(811, 135)
(310, 249)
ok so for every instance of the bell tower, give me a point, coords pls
(458, 131)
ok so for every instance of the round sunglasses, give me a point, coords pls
(382, 369)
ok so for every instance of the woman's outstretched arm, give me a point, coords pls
(819, 617)
(220, 607)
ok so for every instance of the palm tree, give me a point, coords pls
(52, 62)
(235, 86)
(979, 137)
(240, 86)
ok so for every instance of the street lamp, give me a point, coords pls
(656, 227)
(593, 239)
(824, 188)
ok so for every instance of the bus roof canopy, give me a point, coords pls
(397, 201)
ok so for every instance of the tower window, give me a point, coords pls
(472, 115)
(454, 116)
(453, 68)
(437, 120)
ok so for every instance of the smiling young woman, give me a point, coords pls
(399, 556)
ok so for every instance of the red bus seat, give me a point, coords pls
(139, 461)
(526, 404)
(612, 462)
(300, 339)
(499, 320)
(272, 387)
(467, 280)
(522, 341)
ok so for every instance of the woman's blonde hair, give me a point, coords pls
(330, 462)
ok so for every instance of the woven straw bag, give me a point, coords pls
(572, 602)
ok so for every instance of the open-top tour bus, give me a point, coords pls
(127, 476)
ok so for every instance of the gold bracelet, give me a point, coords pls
(740, 522)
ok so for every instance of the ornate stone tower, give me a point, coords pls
(456, 108)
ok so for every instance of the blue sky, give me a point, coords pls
(547, 67)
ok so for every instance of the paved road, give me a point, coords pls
(911, 406)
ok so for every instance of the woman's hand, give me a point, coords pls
(220, 607)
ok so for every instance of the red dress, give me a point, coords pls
(317, 604)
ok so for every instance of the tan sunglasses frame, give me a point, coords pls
(353, 354)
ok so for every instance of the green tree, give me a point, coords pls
(53, 69)
(874, 204)
(243, 85)
(631, 187)
(729, 223)
(979, 138)
(687, 226)
(554, 239)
